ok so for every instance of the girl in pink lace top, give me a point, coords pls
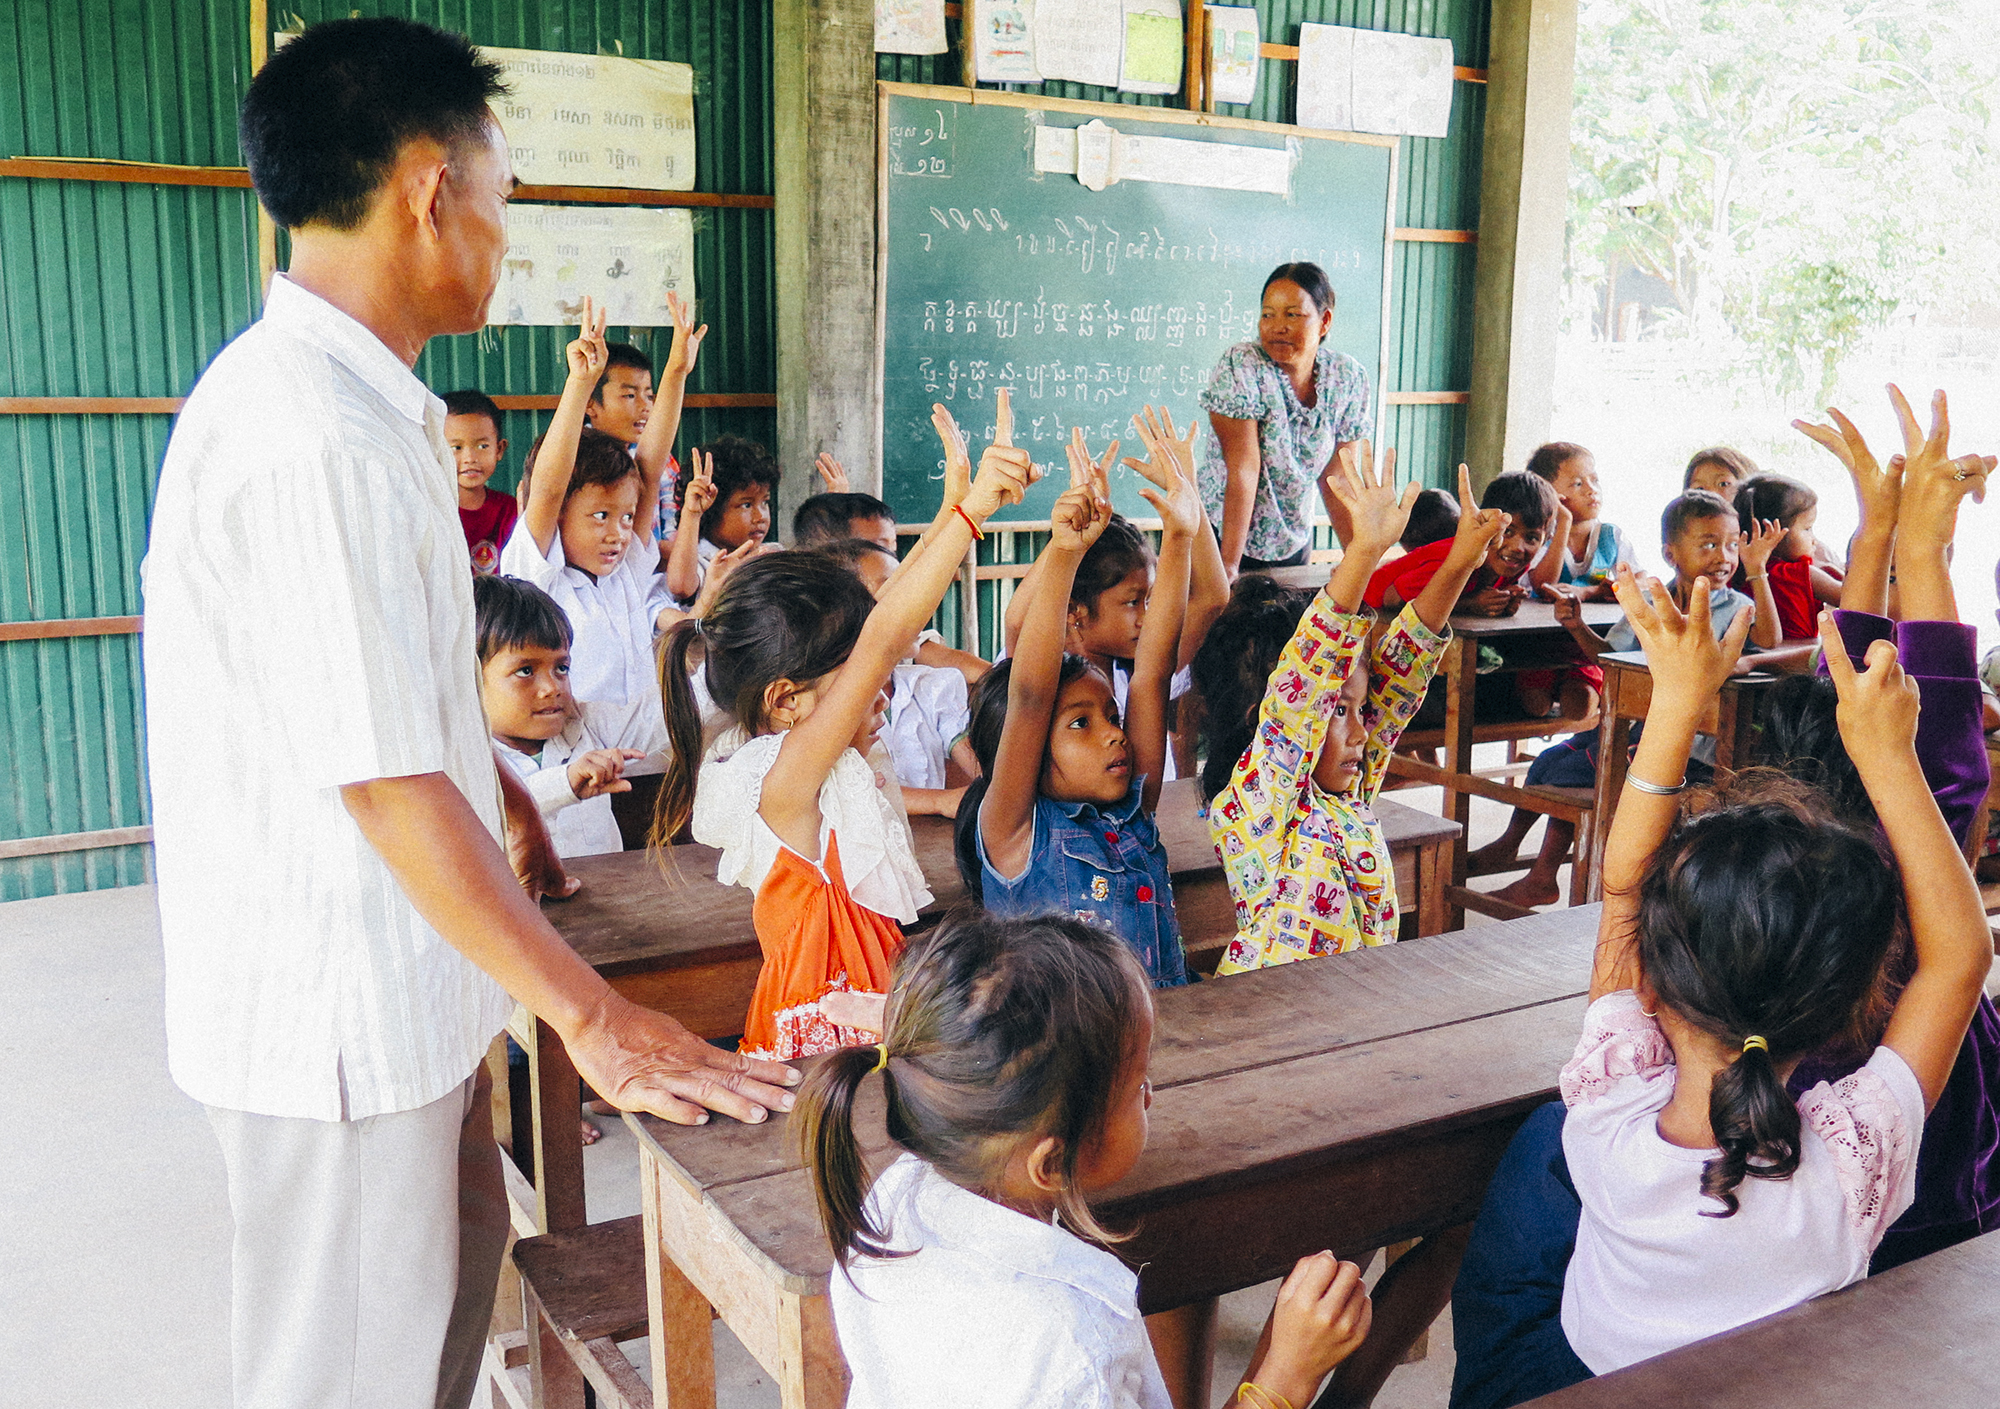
(1733, 943)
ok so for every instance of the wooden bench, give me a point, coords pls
(584, 1292)
(1351, 1103)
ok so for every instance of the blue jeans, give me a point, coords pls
(1506, 1307)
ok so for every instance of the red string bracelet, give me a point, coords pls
(959, 509)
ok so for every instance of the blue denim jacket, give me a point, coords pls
(1101, 864)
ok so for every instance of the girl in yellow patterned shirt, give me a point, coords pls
(1295, 824)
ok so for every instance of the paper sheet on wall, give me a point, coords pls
(1003, 44)
(1153, 47)
(909, 26)
(1080, 41)
(1326, 77)
(1233, 60)
(625, 258)
(1402, 84)
(1099, 155)
(588, 120)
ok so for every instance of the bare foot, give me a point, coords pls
(1493, 857)
(1531, 890)
(590, 1133)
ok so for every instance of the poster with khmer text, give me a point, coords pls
(593, 120)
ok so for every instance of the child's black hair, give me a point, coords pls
(1234, 665)
(850, 553)
(622, 354)
(473, 403)
(1433, 518)
(509, 613)
(1691, 507)
(784, 616)
(600, 459)
(827, 517)
(1764, 917)
(1119, 551)
(987, 710)
(1310, 278)
(1548, 460)
(997, 1031)
(1799, 736)
(1529, 499)
(738, 464)
(1768, 496)
(1735, 461)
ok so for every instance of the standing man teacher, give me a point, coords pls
(1279, 409)
(344, 934)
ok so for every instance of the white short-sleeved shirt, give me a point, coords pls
(612, 618)
(309, 624)
(586, 826)
(1650, 1273)
(992, 1309)
(928, 710)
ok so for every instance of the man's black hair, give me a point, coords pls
(324, 119)
(827, 518)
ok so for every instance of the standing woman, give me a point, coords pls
(1279, 410)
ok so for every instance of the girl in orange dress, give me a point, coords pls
(797, 656)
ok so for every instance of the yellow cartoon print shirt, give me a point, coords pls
(1309, 871)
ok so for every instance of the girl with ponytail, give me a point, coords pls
(973, 1273)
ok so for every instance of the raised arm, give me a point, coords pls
(1171, 492)
(684, 578)
(1878, 491)
(1243, 457)
(1084, 472)
(1934, 485)
(656, 442)
(555, 462)
(1755, 549)
(1954, 949)
(1477, 528)
(1375, 515)
(1688, 667)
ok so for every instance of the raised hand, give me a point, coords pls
(1078, 519)
(1085, 470)
(1477, 527)
(1169, 469)
(1687, 663)
(1004, 476)
(1757, 547)
(698, 494)
(1878, 705)
(1934, 483)
(601, 771)
(587, 352)
(1377, 511)
(832, 473)
(719, 568)
(1003, 416)
(687, 338)
(1878, 487)
(957, 462)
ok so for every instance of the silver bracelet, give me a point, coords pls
(1634, 780)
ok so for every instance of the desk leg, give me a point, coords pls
(1432, 911)
(1614, 737)
(815, 1373)
(678, 1317)
(558, 1383)
(558, 1145)
(1461, 661)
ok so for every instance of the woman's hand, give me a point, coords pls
(957, 462)
(1756, 547)
(587, 353)
(1687, 663)
(1878, 705)
(1077, 520)
(1378, 513)
(1934, 483)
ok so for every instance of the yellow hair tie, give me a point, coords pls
(1759, 1043)
(882, 1060)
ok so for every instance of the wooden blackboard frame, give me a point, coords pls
(1127, 112)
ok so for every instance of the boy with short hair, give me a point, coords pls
(1531, 507)
(829, 518)
(472, 433)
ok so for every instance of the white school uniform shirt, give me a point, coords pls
(991, 1310)
(309, 624)
(928, 710)
(1182, 682)
(586, 826)
(612, 618)
(1650, 1273)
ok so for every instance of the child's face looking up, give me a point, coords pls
(1716, 478)
(623, 403)
(1513, 552)
(1088, 760)
(1704, 548)
(746, 514)
(1576, 485)
(526, 693)
(1108, 628)
(476, 448)
(596, 524)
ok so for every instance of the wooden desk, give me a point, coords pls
(1348, 1102)
(1926, 1333)
(1460, 673)
(1311, 576)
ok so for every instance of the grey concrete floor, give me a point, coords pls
(114, 1254)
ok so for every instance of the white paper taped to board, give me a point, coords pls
(589, 120)
(1233, 58)
(1003, 44)
(1099, 155)
(1326, 77)
(1402, 84)
(625, 258)
(1080, 41)
(909, 26)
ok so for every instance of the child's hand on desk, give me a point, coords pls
(588, 353)
(1322, 1315)
(1494, 601)
(1378, 512)
(601, 771)
(1688, 664)
(1757, 546)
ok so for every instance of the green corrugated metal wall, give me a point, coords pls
(128, 290)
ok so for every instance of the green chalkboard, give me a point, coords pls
(1091, 303)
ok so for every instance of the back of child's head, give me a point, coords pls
(600, 459)
(1433, 518)
(827, 517)
(1234, 665)
(1692, 507)
(1528, 499)
(1764, 917)
(987, 708)
(739, 463)
(621, 354)
(1739, 465)
(1778, 497)
(1799, 736)
(1548, 460)
(509, 613)
(998, 1032)
(472, 403)
(1119, 551)
(850, 553)
(783, 616)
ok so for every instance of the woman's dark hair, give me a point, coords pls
(324, 120)
(509, 613)
(1234, 665)
(1433, 518)
(600, 459)
(1119, 551)
(738, 464)
(785, 616)
(1778, 497)
(1695, 505)
(1735, 461)
(988, 712)
(1548, 460)
(1764, 917)
(1310, 278)
(1529, 499)
(827, 518)
(998, 1031)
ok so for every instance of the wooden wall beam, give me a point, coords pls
(75, 841)
(66, 628)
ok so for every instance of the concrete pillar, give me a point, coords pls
(824, 111)
(1523, 203)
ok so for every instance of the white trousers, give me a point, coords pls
(366, 1254)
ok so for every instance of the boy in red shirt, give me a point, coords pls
(472, 430)
(1496, 588)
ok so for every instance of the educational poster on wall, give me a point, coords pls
(594, 120)
(909, 26)
(1003, 41)
(626, 258)
(1080, 41)
(1233, 58)
(1326, 77)
(1153, 37)
(1402, 84)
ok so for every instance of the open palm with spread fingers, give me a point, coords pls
(1378, 512)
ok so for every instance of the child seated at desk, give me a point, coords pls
(1802, 580)
(1592, 549)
